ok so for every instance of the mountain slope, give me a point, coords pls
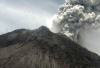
(41, 48)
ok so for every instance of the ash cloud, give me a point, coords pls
(79, 20)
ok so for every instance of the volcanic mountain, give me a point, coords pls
(40, 48)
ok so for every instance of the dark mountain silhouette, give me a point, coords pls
(41, 48)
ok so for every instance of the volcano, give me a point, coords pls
(40, 48)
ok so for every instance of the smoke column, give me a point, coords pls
(80, 21)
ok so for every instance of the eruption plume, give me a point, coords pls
(75, 18)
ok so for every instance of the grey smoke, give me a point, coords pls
(79, 20)
(12, 37)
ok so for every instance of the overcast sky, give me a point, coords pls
(29, 14)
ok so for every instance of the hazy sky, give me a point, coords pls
(30, 14)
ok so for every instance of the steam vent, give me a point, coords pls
(41, 48)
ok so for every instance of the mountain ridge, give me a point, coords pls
(40, 48)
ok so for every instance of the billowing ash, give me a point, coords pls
(76, 18)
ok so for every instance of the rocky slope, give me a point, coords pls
(41, 48)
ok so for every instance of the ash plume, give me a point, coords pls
(74, 17)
